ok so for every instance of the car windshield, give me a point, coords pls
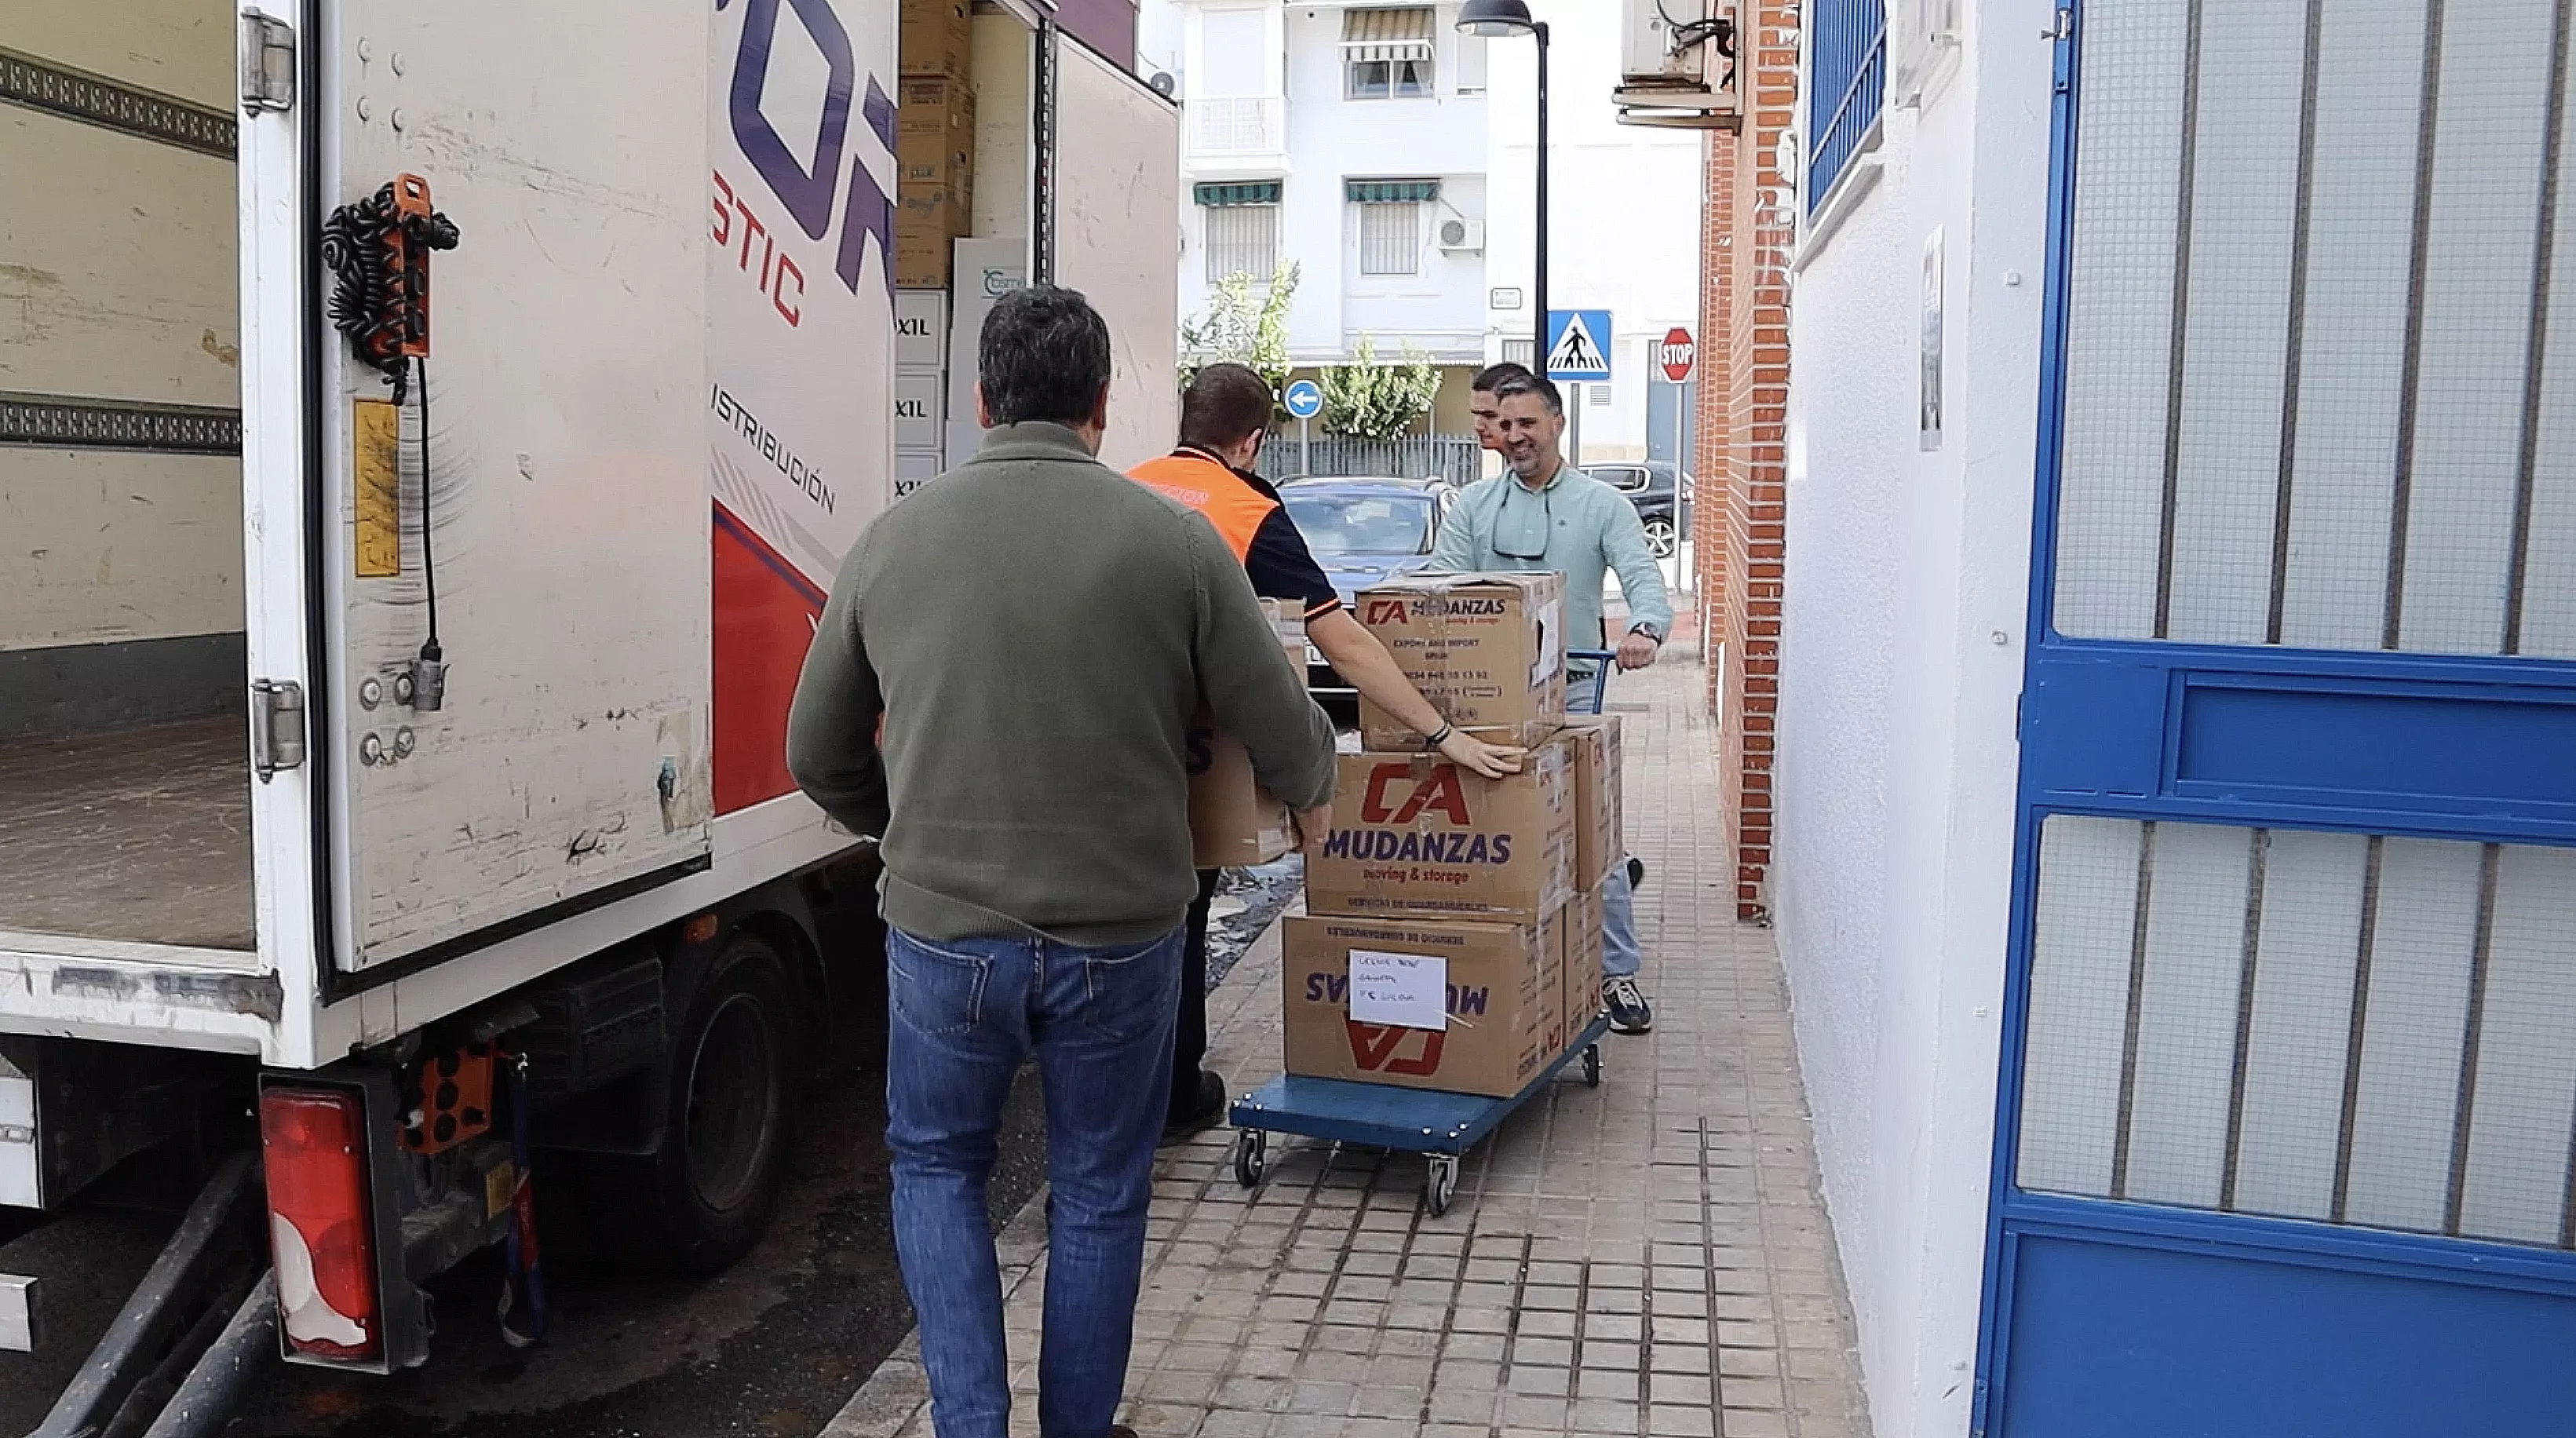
(1336, 524)
(1621, 477)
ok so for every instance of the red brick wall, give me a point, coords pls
(1739, 527)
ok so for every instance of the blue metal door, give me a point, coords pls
(2287, 1131)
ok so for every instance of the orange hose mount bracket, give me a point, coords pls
(378, 252)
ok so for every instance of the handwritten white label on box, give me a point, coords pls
(1407, 990)
(1551, 643)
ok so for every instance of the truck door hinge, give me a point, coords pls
(2061, 26)
(267, 63)
(276, 726)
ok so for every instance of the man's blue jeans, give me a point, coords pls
(1620, 955)
(966, 1014)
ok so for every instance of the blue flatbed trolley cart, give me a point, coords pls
(1439, 1125)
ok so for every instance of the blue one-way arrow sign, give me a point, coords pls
(1578, 345)
(1304, 399)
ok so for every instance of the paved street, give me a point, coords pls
(1651, 1257)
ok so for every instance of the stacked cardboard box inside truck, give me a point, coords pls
(1453, 930)
(934, 141)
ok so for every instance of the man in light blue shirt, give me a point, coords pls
(1543, 516)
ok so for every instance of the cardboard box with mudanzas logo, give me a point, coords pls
(1484, 985)
(1488, 651)
(1234, 822)
(1417, 836)
(1600, 838)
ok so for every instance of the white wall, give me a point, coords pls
(1161, 39)
(1331, 139)
(1901, 665)
(1624, 204)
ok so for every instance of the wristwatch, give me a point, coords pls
(1648, 630)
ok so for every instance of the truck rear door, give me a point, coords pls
(1115, 177)
(501, 545)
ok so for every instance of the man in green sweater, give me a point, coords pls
(1035, 633)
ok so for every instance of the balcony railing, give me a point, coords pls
(1239, 125)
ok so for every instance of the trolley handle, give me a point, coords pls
(1603, 660)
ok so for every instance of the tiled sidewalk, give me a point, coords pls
(1646, 1258)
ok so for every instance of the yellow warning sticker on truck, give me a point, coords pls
(376, 475)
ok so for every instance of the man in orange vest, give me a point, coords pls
(1225, 413)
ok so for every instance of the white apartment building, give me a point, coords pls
(1369, 144)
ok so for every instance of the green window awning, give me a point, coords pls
(1244, 192)
(1390, 192)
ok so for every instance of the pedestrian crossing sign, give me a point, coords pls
(1578, 345)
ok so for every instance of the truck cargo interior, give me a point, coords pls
(124, 782)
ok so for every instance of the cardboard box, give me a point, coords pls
(1582, 970)
(1234, 822)
(926, 229)
(1554, 940)
(934, 143)
(1493, 1038)
(921, 331)
(1416, 836)
(918, 423)
(1488, 651)
(935, 38)
(1600, 825)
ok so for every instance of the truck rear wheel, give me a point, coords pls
(704, 1197)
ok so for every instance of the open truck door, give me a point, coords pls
(549, 532)
(1114, 176)
(506, 555)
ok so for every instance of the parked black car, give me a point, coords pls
(1662, 494)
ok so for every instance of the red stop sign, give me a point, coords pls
(1677, 354)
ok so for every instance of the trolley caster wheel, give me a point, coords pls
(1592, 1065)
(1251, 1156)
(1442, 1185)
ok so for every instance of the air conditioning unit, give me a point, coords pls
(1659, 42)
(1677, 65)
(1462, 236)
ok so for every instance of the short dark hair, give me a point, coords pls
(1044, 354)
(1224, 403)
(1527, 383)
(1493, 377)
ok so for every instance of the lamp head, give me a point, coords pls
(1496, 17)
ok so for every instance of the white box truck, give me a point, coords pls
(427, 436)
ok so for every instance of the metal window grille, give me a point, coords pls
(1846, 83)
(1242, 240)
(1390, 239)
(2350, 1029)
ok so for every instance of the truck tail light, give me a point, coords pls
(321, 1229)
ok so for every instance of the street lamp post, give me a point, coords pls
(1495, 19)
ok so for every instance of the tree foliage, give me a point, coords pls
(1371, 399)
(1245, 324)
